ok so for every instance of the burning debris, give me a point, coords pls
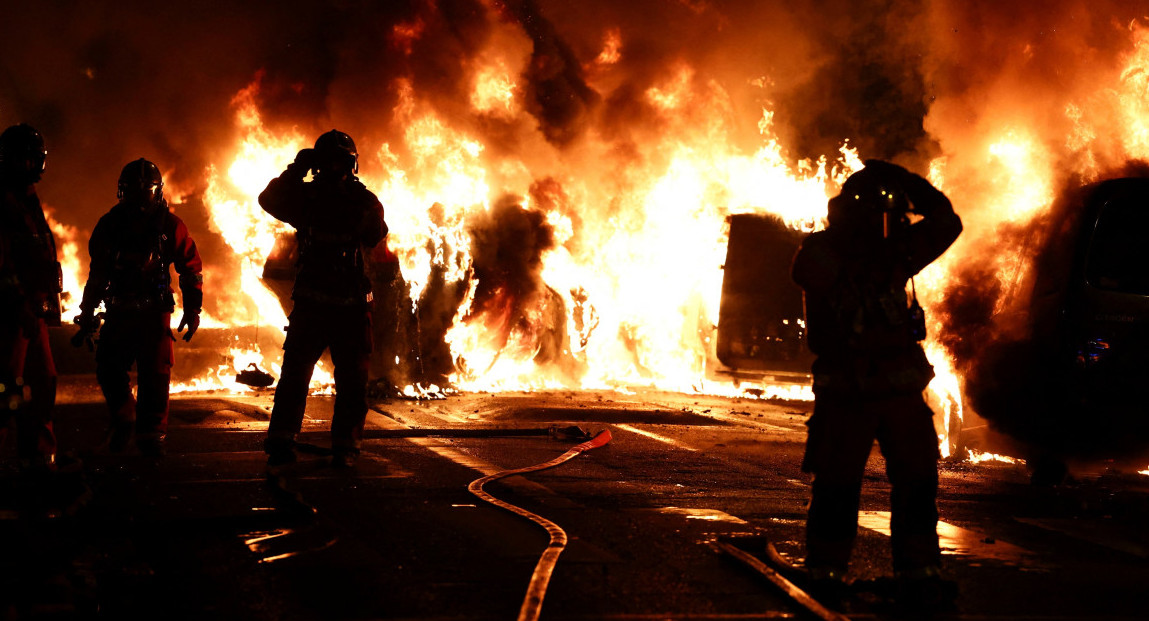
(518, 313)
(254, 376)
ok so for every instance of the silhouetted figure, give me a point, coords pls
(337, 221)
(871, 370)
(30, 286)
(132, 250)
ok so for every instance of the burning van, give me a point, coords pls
(761, 330)
(1071, 382)
(1098, 317)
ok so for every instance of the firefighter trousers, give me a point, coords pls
(29, 375)
(143, 338)
(312, 328)
(842, 431)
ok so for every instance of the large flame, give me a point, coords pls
(649, 268)
(71, 266)
(251, 234)
(639, 224)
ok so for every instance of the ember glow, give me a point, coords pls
(976, 457)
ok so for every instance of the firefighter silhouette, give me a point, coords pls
(870, 370)
(133, 248)
(30, 287)
(337, 221)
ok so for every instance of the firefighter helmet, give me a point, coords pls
(876, 189)
(336, 145)
(22, 152)
(867, 194)
(141, 177)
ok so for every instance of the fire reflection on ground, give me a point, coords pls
(958, 541)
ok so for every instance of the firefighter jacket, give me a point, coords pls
(858, 315)
(334, 223)
(132, 252)
(30, 278)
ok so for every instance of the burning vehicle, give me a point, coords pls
(1069, 381)
(527, 317)
(761, 332)
(1103, 306)
(1092, 312)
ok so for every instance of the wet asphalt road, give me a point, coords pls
(202, 534)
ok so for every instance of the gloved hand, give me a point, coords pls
(88, 325)
(191, 321)
(923, 196)
(305, 159)
(86, 320)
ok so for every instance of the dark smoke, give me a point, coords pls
(1010, 344)
(507, 244)
(558, 95)
(868, 84)
(109, 82)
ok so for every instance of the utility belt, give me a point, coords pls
(329, 251)
(314, 295)
(905, 372)
(126, 303)
(329, 259)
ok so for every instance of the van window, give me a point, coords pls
(1119, 252)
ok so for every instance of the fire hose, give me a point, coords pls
(777, 579)
(536, 589)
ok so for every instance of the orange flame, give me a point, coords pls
(250, 233)
(640, 239)
(71, 266)
(977, 457)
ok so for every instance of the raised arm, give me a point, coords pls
(937, 230)
(284, 196)
(939, 227)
